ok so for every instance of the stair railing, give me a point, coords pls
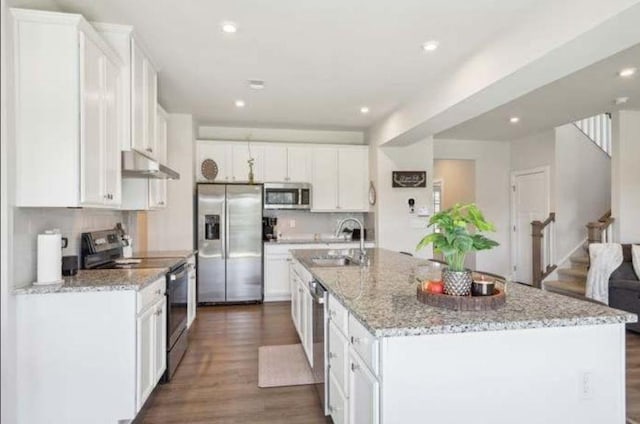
(542, 239)
(600, 230)
(598, 129)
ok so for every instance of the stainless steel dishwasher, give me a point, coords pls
(319, 294)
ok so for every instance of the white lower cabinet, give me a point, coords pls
(364, 393)
(302, 308)
(338, 403)
(354, 389)
(276, 276)
(192, 288)
(108, 350)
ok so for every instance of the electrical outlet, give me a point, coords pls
(292, 223)
(586, 385)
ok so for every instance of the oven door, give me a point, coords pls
(177, 300)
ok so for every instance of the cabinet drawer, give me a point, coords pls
(338, 314)
(337, 402)
(151, 294)
(364, 343)
(338, 356)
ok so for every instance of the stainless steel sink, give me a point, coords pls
(333, 261)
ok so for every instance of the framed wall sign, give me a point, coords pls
(414, 179)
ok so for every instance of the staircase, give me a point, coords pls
(598, 129)
(572, 281)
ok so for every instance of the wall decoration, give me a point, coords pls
(372, 193)
(412, 179)
(209, 169)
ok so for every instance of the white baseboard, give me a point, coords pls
(277, 297)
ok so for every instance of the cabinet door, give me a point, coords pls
(218, 151)
(138, 101)
(307, 322)
(191, 303)
(299, 164)
(112, 123)
(145, 352)
(241, 153)
(149, 107)
(157, 193)
(338, 357)
(276, 277)
(337, 402)
(161, 136)
(325, 179)
(92, 71)
(353, 179)
(363, 393)
(160, 339)
(275, 164)
(295, 300)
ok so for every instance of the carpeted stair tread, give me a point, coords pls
(572, 288)
(573, 273)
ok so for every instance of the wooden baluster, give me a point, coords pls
(536, 250)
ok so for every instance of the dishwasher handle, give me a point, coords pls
(317, 292)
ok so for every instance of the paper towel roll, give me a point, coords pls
(49, 258)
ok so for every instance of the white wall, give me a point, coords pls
(397, 229)
(492, 160)
(280, 135)
(625, 204)
(172, 227)
(582, 187)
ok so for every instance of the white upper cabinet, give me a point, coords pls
(299, 164)
(220, 153)
(275, 164)
(324, 189)
(67, 126)
(140, 90)
(340, 179)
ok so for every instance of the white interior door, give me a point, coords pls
(530, 203)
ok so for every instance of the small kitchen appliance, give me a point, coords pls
(269, 228)
(287, 196)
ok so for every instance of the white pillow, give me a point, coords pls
(635, 258)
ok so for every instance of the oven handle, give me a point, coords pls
(182, 271)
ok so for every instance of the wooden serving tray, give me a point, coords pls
(463, 303)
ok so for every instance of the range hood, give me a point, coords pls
(137, 165)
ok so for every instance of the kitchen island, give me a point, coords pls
(541, 358)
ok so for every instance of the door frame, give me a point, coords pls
(546, 170)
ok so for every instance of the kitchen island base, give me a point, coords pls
(557, 375)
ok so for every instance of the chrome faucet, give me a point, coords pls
(363, 253)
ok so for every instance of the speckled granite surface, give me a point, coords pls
(313, 241)
(185, 254)
(383, 298)
(100, 280)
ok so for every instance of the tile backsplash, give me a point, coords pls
(29, 222)
(306, 224)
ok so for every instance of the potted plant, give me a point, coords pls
(456, 233)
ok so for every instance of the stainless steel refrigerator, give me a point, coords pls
(229, 232)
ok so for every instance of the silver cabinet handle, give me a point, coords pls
(354, 367)
(331, 355)
(161, 203)
(355, 340)
(159, 312)
(159, 291)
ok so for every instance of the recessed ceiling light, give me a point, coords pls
(621, 100)
(628, 72)
(430, 46)
(239, 103)
(514, 119)
(256, 84)
(229, 27)
(364, 109)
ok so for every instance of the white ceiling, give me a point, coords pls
(321, 59)
(582, 94)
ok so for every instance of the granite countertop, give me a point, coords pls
(314, 241)
(382, 297)
(99, 280)
(185, 254)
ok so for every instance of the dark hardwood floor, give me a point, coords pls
(217, 381)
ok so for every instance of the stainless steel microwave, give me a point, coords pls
(287, 196)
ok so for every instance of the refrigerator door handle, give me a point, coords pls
(225, 245)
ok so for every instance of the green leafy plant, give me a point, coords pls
(452, 237)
